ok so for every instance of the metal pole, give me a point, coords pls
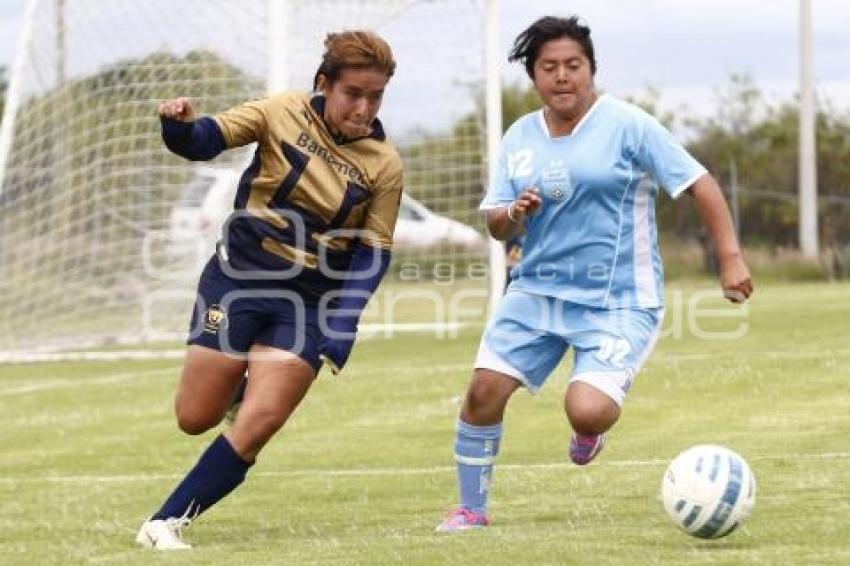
(807, 155)
(60, 43)
(13, 95)
(494, 135)
(280, 19)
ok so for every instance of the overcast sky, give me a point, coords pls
(689, 48)
(686, 49)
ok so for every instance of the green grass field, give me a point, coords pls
(364, 472)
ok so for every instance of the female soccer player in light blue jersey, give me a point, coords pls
(579, 177)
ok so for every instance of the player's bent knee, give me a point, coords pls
(193, 423)
(589, 410)
(481, 393)
(486, 398)
(592, 419)
(193, 428)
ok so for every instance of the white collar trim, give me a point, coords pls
(542, 119)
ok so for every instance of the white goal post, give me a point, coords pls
(92, 252)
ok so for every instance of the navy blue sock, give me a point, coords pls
(217, 473)
(476, 448)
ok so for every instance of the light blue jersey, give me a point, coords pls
(594, 239)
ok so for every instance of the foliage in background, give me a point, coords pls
(106, 187)
(745, 132)
(759, 140)
(88, 179)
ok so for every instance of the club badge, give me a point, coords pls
(214, 319)
(555, 182)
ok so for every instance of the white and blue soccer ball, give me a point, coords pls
(708, 491)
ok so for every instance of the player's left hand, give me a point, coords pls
(735, 279)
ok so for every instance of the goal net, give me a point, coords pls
(103, 232)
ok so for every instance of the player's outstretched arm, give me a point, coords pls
(196, 140)
(508, 222)
(735, 278)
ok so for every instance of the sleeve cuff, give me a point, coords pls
(675, 193)
(484, 207)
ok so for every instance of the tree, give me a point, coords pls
(758, 137)
(517, 100)
(762, 140)
(89, 153)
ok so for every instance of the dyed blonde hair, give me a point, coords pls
(354, 50)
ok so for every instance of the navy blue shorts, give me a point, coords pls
(231, 314)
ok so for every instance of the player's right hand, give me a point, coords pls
(528, 202)
(735, 279)
(177, 109)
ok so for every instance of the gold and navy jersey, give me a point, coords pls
(306, 197)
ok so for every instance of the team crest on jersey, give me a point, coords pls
(215, 318)
(555, 181)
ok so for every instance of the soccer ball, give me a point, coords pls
(708, 491)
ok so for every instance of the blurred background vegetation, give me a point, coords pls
(748, 143)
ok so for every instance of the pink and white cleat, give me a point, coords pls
(462, 519)
(583, 448)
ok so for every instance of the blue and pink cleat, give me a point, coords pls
(584, 448)
(462, 519)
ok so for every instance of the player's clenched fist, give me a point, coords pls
(178, 109)
(735, 279)
(526, 203)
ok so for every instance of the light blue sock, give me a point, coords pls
(476, 448)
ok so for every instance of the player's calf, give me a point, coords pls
(236, 401)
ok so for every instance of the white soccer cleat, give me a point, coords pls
(163, 534)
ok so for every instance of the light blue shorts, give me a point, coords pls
(529, 335)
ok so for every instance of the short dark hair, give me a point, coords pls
(527, 44)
